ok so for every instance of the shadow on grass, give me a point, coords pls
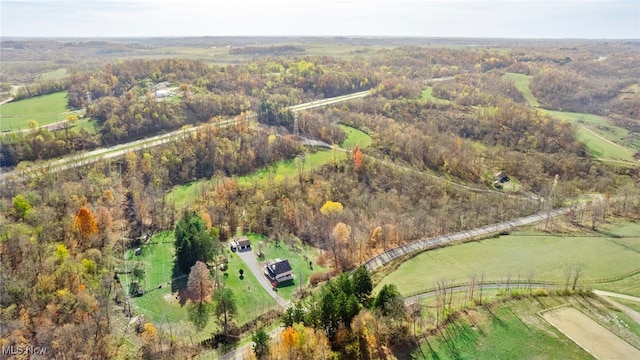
(179, 284)
(199, 314)
(495, 317)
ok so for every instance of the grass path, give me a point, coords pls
(521, 81)
(622, 148)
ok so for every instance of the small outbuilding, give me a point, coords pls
(241, 244)
(501, 177)
(279, 272)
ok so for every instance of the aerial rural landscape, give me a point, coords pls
(319, 197)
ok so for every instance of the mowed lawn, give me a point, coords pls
(299, 259)
(547, 257)
(161, 305)
(45, 109)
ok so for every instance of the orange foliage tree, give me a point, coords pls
(86, 223)
(358, 158)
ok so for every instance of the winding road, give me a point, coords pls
(89, 157)
(448, 239)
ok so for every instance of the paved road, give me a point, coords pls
(77, 160)
(615, 295)
(254, 266)
(329, 101)
(418, 245)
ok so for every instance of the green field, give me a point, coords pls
(601, 138)
(298, 258)
(603, 148)
(45, 109)
(510, 330)
(521, 82)
(184, 195)
(355, 137)
(629, 286)
(161, 305)
(427, 94)
(545, 256)
(58, 74)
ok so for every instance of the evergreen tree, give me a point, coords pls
(362, 285)
(193, 242)
(261, 344)
(386, 295)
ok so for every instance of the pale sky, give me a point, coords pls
(595, 19)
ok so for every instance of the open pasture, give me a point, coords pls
(539, 257)
(45, 109)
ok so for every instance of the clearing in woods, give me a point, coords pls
(45, 109)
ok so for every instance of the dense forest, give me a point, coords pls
(429, 171)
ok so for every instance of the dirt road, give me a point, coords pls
(591, 336)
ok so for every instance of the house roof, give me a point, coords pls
(242, 241)
(281, 266)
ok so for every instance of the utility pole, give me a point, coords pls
(549, 200)
(296, 130)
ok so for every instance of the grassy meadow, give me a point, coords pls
(521, 82)
(544, 257)
(514, 330)
(602, 139)
(427, 95)
(45, 109)
(57, 74)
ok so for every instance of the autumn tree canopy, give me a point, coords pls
(86, 223)
(200, 285)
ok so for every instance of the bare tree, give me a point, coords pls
(577, 273)
(530, 277)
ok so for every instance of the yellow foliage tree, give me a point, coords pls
(300, 342)
(206, 218)
(376, 234)
(341, 233)
(331, 207)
